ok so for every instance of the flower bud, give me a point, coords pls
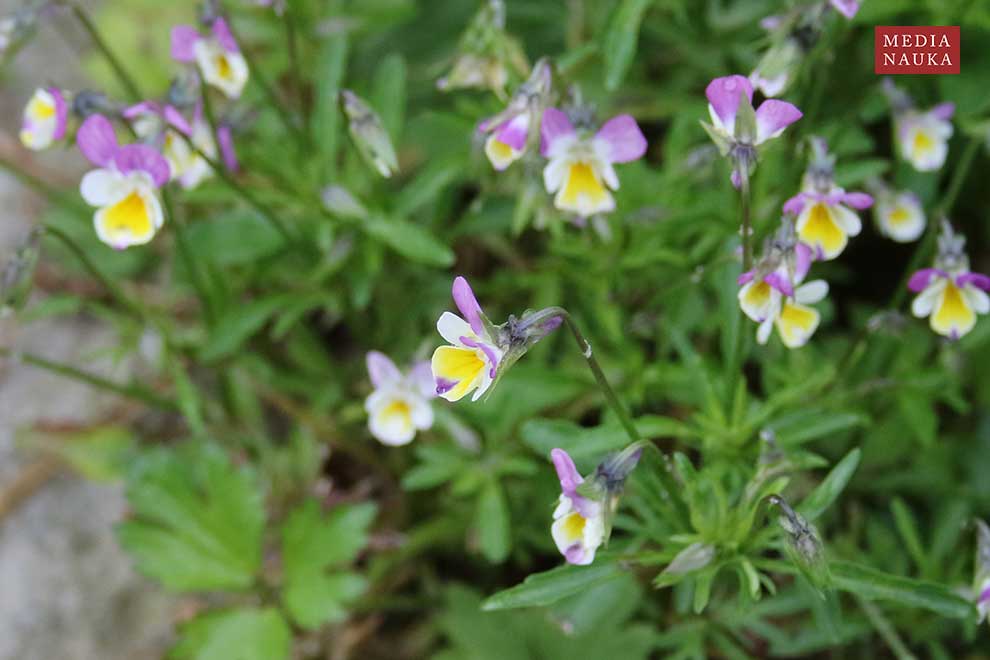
(369, 134)
(803, 545)
(17, 277)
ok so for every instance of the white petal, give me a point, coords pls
(452, 327)
(811, 292)
(554, 173)
(102, 187)
(847, 220)
(924, 303)
(977, 299)
(763, 332)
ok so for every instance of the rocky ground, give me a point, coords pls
(67, 590)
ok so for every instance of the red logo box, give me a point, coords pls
(925, 49)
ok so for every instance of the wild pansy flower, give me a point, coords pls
(369, 134)
(400, 404)
(216, 55)
(582, 518)
(45, 119)
(480, 352)
(824, 212)
(981, 581)
(124, 188)
(166, 129)
(922, 137)
(949, 294)
(772, 294)
(898, 214)
(509, 131)
(580, 169)
(737, 129)
(472, 360)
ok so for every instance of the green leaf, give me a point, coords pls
(874, 584)
(241, 634)
(98, 454)
(238, 325)
(233, 239)
(805, 425)
(620, 40)
(492, 523)
(550, 586)
(312, 546)
(587, 444)
(918, 410)
(197, 519)
(410, 240)
(828, 490)
(389, 95)
(330, 67)
(427, 185)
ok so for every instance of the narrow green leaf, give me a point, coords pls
(410, 240)
(828, 490)
(620, 40)
(550, 586)
(389, 94)
(330, 68)
(492, 523)
(871, 583)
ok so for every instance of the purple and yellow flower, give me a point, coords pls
(472, 360)
(899, 215)
(772, 295)
(124, 188)
(400, 403)
(509, 131)
(737, 129)
(580, 169)
(217, 56)
(45, 119)
(578, 522)
(179, 140)
(825, 221)
(923, 137)
(949, 294)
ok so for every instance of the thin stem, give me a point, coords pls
(116, 292)
(269, 92)
(135, 392)
(41, 187)
(294, 68)
(746, 229)
(182, 242)
(667, 474)
(115, 64)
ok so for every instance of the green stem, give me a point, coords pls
(294, 67)
(41, 187)
(116, 292)
(667, 474)
(195, 275)
(135, 392)
(115, 64)
(746, 223)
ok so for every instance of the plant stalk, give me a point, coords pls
(118, 68)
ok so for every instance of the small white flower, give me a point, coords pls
(578, 527)
(899, 216)
(923, 137)
(400, 404)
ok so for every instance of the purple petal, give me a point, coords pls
(143, 158)
(554, 125)
(574, 554)
(96, 140)
(227, 152)
(514, 132)
(772, 117)
(979, 280)
(723, 95)
(61, 113)
(224, 36)
(175, 118)
(944, 111)
(381, 369)
(569, 477)
(183, 39)
(625, 141)
(444, 385)
(467, 303)
(802, 261)
(421, 377)
(746, 277)
(795, 204)
(781, 282)
(921, 279)
(857, 200)
(984, 596)
(142, 108)
(847, 8)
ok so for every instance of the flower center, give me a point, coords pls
(223, 66)
(899, 216)
(923, 142)
(574, 525)
(130, 215)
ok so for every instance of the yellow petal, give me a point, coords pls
(582, 182)
(953, 315)
(821, 230)
(499, 153)
(796, 324)
(898, 216)
(127, 219)
(573, 526)
(40, 109)
(922, 142)
(758, 294)
(456, 365)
